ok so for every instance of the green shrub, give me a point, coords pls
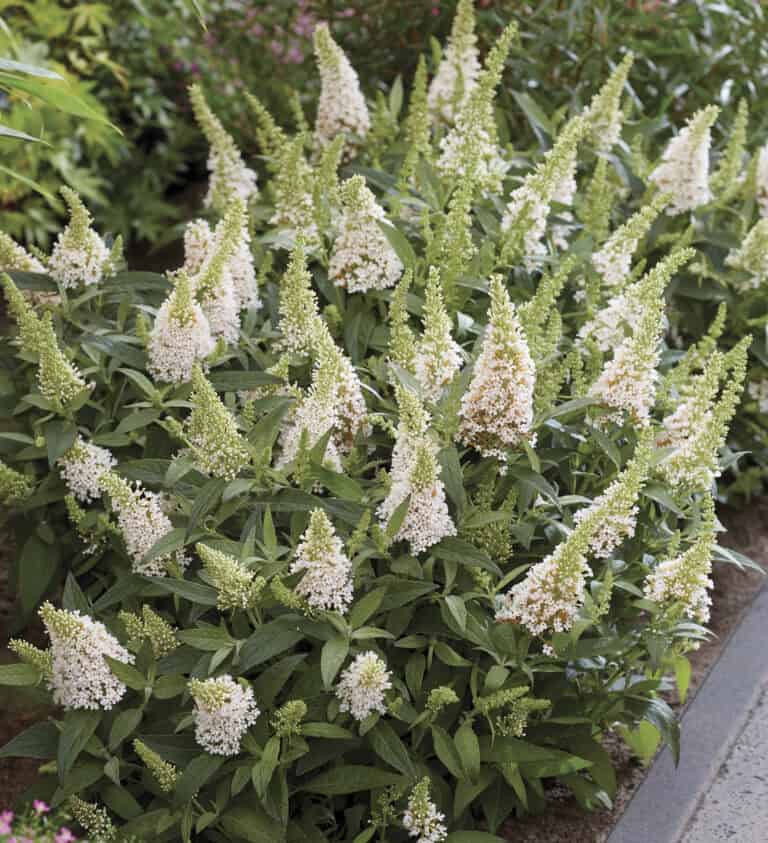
(385, 508)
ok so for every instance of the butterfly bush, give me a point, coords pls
(404, 472)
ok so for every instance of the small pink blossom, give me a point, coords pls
(64, 836)
(5, 825)
(40, 806)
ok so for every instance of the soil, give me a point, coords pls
(565, 821)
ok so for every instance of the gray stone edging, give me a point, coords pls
(667, 799)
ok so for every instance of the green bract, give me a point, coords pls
(376, 561)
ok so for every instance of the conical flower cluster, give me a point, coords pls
(82, 467)
(151, 627)
(363, 684)
(58, 379)
(362, 258)
(614, 259)
(94, 819)
(327, 572)
(752, 256)
(79, 255)
(684, 169)
(628, 381)
(293, 189)
(459, 67)
(415, 476)
(421, 819)
(237, 586)
(402, 342)
(604, 112)
(525, 218)
(298, 304)
(80, 676)
(212, 433)
(497, 410)
(681, 585)
(438, 356)
(181, 336)
(341, 108)
(416, 128)
(14, 486)
(229, 177)
(470, 149)
(142, 522)
(224, 711)
(164, 772)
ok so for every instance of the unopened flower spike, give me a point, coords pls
(497, 409)
(362, 258)
(14, 486)
(416, 129)
(681, 585)
(759, 169)
(508, 710)
(287, 719)
(598, 202)
(525, 219)
(81, 469)
(752, 256)
(149, 626)
(342, 108)
(79, 255)
(29, 654)
(614, 260)
(94, 819)
(628, 381)
(80, 675)
(459, 67)
(327, 572)
(363, 685)
(164, 773)
(470, 149)
(604, 113)
(59, 380)
(614, 512)
(298, 304)
(181, 335)
(237, 587)
(211, 431)
(438, 355)
(293, 191)
(142, 522)
(229, 176)
(270, 137)
(727, 179)
(15, 258)
(326, 187)
(453, 247)
(536, 313)
(224, 711)
(421, 819)
(402, 342)
(684, 168)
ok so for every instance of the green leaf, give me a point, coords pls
(166, 545)
(468, 748)
(663, 718)
(445, 749)
(30, 69)
(202, 595)
(365, 607)
(127, 674)
(265, 767)
(196, 774)
(332, 658)
(267, 641)
(389, 747)
(399, 242)
(37, 565)
(73, 598)
(351, 778)
(682, 676)
(330, 731)
(473, 837)
(19, 675)
(78, 728)
(54, 94)
(207, 638)
(39, 741)
(250, 822)
(458, 610)
(125, 724)
(236, 381)
(344, 487)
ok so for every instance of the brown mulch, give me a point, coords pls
(565, 821)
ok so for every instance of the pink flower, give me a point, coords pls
(40, 807)
(64, 836)
(6, 817)
(257, 29)
(5, 825)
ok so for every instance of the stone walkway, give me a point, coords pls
(719, 792)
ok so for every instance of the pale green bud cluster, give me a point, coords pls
(59, 380)
(164, 772)
(269, 136)
(149, 626)
(212, 432)
(211, 694)
(14, 486)
(287, 597)
(414, 419)
(604, 113)
(752, 256)
(416, 129)
(598, 202)
(508, 710)
(298, 304)
(29, 654)
(439, 698)
(238, 588)
(94, 819)
(402, 342)
(438, 356)
(286, 721)
(14, 258)
(726, 181)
